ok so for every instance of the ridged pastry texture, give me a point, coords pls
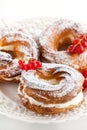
(9, 68)
(15, 45)
(53, 89)
(18, 44)
(55, 40)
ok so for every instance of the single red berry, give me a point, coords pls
(79, 48)
(39, 64)
(74, 50)
(84, 73)
(76, 41)
(26, 67)
(21, 62)
(33, 64)
(81, 36)
(85, 38)
(22, 66)
(84, 43)
(30, 66)
(85, 84)
(70, 49)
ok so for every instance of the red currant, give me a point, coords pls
(79, 45)
(81, 36)
(22, 67)
(74, 50)
(79, 48)
(76, 41)
(39, 64)
(33, 64)
(84, 73)
(70, 48)
(84, 43)
(85, 38)
(21, 62)
(85, 84)
(26, 67)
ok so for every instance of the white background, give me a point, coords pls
(19, 9)
(11, 10)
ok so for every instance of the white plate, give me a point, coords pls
(10, 104)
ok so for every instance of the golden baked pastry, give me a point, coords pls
(14, 46)
(52, 89)
(9, 68)
(19, 44)
(55, 40)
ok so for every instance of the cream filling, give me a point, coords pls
(9, 79)
(73, 102)
(50, 81)
(7, 48)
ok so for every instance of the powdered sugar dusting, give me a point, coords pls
(57, 28)
(62, 57)
(12, 35)
(80, 62)
(46, 37)
(9, 66)
(14, 109)
(5, 56)
(13, 70)
(71, 79)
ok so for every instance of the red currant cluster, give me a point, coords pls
(84, 73)
(31, 65)
(79, 44)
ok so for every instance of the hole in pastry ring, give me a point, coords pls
(55, 40)
(54, 86)
(18, 44)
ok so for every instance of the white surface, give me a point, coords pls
(19, 9)
(10, 124)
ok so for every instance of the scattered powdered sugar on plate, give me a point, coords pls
(10, 106)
